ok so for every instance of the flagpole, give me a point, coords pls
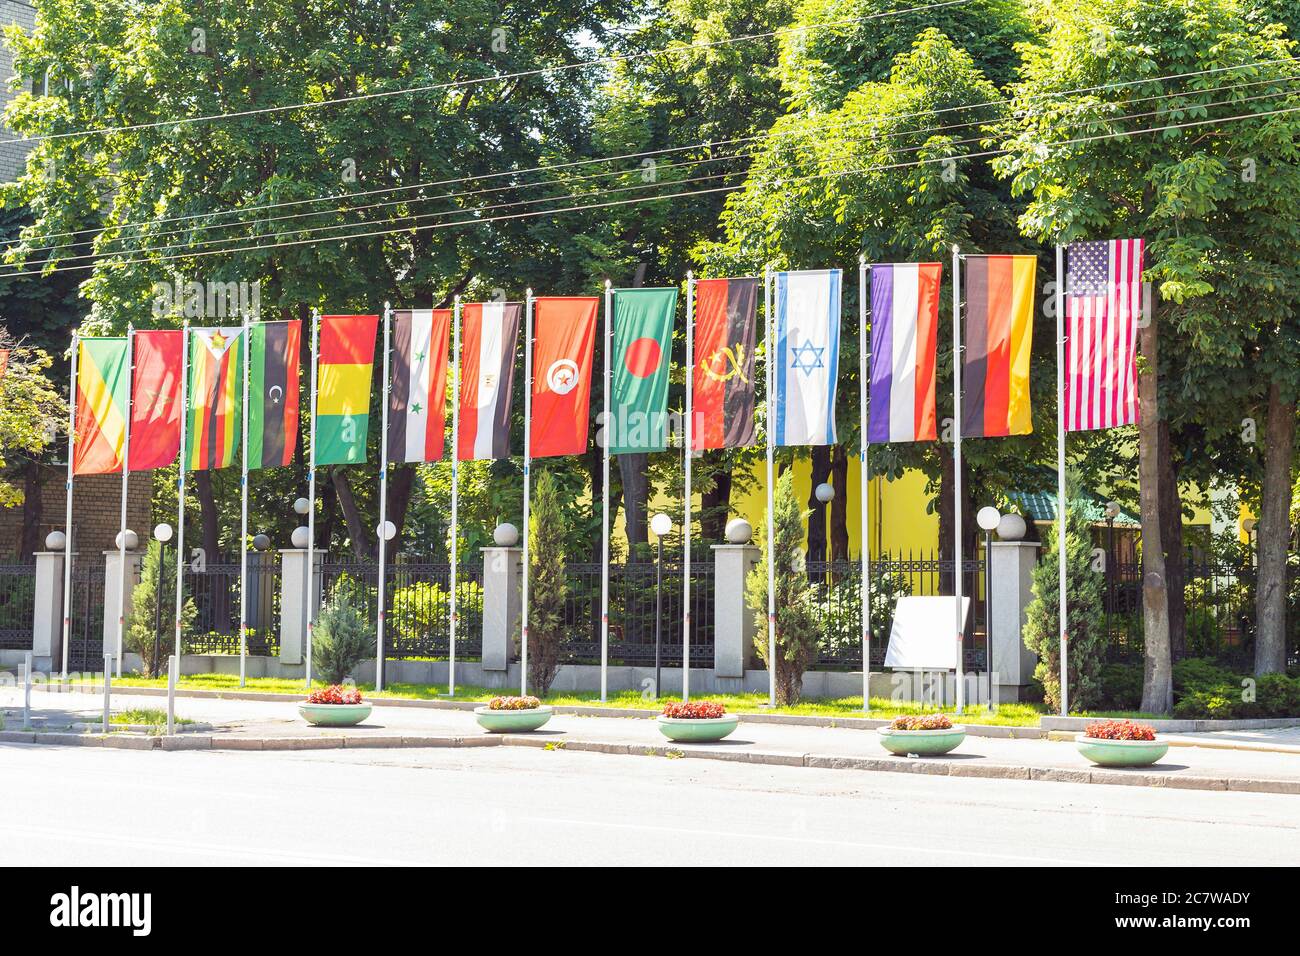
(455, 491)
(956, 467)
(528, 458)
(771, 523)
(864, 365)
(311, 500)
(383, 508)
(67, 524)
(604, 524)
(686, 522)
(121, 543)
(1060, 479)
(180, 500)
(243, 516)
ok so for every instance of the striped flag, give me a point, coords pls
(998, 337)
(807, 353)
(158, 356)
(722, 400)
(4, 362)
(1103, 307)
(346, 364)
(273, 392)
(102, 396)
(489, 340)
(904, 336)
(417, 397)
(215, 398)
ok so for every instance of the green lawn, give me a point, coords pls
(151, 716)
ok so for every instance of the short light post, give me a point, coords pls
(988, 519)
(661, 525)
(825, 493)
(162, 534)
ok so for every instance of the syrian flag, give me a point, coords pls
(489, 338)
(807, 356)
(722, 399)
(904, 339)
(417, 399)
(564, 340)
(643, 339)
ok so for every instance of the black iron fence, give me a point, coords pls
(17, 605)
(214, 589)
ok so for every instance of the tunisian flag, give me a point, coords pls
(564, 340)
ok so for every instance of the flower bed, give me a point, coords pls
(698, 721)
(921, 735)
(334, 706)
(695, 710)
(507, 714)
(1119, 730)
(1121, 743)
(514, 703)
(921, 722)
(335, 694)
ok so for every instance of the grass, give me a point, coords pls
(149, 716)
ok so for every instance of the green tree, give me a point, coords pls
(548, 588)
(342, 637)
(31, 412)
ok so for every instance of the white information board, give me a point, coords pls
(924, 636)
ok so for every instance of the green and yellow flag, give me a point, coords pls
(215, 401)
(102, 401)
(346, 364)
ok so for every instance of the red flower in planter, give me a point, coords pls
(514, 703)
(335, 694)
(695, 710)
(921, 722)
(1119, 730)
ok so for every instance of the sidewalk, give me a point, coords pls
(269, 725)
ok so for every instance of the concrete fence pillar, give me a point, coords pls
(112, 609)
(293, 601)
(47, 617)
(733, 622)
(503, 570)
(1011, 569)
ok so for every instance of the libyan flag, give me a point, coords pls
(643, 338)
(273, 392)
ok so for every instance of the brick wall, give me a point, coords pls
(96, 505)
(13, 156)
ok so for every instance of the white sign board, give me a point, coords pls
(924, 635)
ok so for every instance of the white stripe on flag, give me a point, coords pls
(808, 325)
(489, 376)
(902, 391)
(417, 404)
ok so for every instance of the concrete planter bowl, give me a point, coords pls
(511, 721)
(923, 743)
(697, 729)
(334, 715)
(1121, 753)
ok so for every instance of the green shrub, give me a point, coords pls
(1202, 674)
(1204, 704)
(1121, 687)
(342, 637)
(1277, 695)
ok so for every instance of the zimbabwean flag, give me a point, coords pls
(215, 396)
(272, 392)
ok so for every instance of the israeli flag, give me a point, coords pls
(807, 356)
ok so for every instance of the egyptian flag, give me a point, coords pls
(102, 395)
(273, 349)
(564, 340)
(215, 398)
(417, 398)
(345, 368)
(643, 339)
(998, 336)
(489, 340)
(159, 358)
(904, 338)
(806, 356)
(722, 400)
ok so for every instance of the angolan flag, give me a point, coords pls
(643, 339)
(159, 359)
(417, 397)
(564, 340)
(488, 342)
(722, 399)
(215, 398)
(102, 396)
(998, 336)
(1103, 307)
(273, 392)
(904, 339)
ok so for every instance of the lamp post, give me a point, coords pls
(1112, 512)
(163, 534)
(988, 519)
(825, 493)
(661, 525)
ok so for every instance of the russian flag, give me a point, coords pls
(904, 329)
(807, 356)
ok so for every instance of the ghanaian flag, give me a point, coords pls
(102, 396)
(215, 398)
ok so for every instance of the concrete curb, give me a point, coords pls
(936, 766)
(1204, 743)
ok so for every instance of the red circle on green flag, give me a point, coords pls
(642, 357)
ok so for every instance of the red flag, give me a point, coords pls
(564, 340)
(4, 361)
(156, 399)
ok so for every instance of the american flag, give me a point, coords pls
(1103, 296)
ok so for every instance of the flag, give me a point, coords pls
(807, 353)
(722, 399)
(904, 333)
(643, 341)
(417, 398)
(564, 340)
(102, 396)
(1103, 307)
(489, 340)
(347, 357)
(274, 348)
(999, 333)
(215, 398)
(158, 356)
(4, 362)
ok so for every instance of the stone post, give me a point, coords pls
(47, 620)
(134, 560)
(1011, 575)
(503, 570)
(733, 622)
(293, 602)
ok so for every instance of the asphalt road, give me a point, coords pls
(88, 806)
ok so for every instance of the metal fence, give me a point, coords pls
(215, 592)
(17, 605)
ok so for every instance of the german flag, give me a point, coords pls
(998, 337)
(272, 392)
(215, 397)
(102, 397)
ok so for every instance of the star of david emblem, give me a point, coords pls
(806, 357)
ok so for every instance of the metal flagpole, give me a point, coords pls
(956, 467)
(311, 500)
(180, 504)
(528, 458)
(121, 543)
(1060, 479)
(383, 507)
(604, 524)
(243, 516)
(67, 524)
(771, 523)
(864, 366)
(689, 450)
(455, 490)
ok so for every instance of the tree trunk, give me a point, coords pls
(33, 511)
(363, 544)
(944, 492)
(401, 484)
(715, 505)
(840, 506)
(326, 498)
(1171, 539)
(636, 488)
(1157, 681)
(1274, 534)
(821, 472)
(220, 609)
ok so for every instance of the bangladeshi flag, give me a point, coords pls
(564, 340)
(273, 392)
(722, 399)
(159, 359)
(346, 365)
(102, 396)
(215, 398)
(643, 338)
